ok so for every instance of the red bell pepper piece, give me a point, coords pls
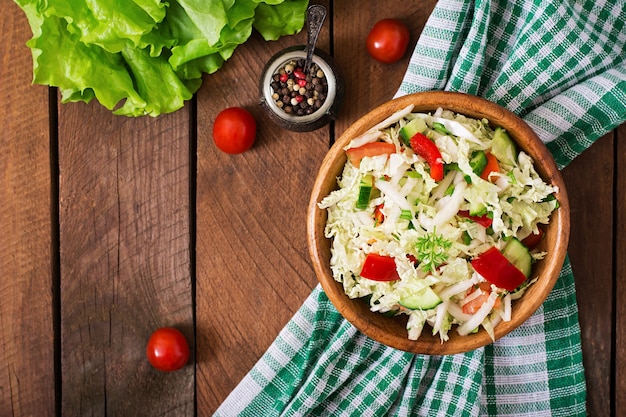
(369, 149)
(379, 268)
(483, 220)
(497, 269)
(427, 149)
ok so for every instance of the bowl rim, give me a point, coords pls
(375, 325)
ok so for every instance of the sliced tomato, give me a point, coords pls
(476, 302)
(483, 220)
(427, 149)
(533, 239)
(495, 268)
(369, 149)
(492, 166)
(380, 268)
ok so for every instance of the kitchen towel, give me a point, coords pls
(561, 66)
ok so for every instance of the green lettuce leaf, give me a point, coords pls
(145, 57)
(81, 71)
(276, 19)
(194, 54)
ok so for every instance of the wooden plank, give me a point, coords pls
(619, 367)
(125, 259)
(591, 254)
(26, 262)
(370, 83)
(232, 265)
(260, 261)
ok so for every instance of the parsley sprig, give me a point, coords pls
(432, 250)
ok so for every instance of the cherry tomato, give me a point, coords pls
(388, 40)
(167, 349)
(234, 130)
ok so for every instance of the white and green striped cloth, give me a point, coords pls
(561, 65)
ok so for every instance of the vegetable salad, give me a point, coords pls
(436, 217)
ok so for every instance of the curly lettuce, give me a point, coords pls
(145, 57)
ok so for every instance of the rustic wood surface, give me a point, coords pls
(111, 227)
(28, 325)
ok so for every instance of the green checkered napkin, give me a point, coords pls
(560, 64)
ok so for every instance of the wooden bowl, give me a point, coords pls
(392, 331)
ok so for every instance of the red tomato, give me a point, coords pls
(388, 40)
(472, 306)
(234, 130)
(167, 349)
(369, 149)
(379, 268)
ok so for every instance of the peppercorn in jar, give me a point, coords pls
(297, 92)
(299, 99)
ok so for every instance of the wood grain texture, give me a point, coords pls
(370, 83)
(619, 366)
(591, 253)
(125, 259)
(26, 325)
(251, 236)
(126, 209)
(232, 259)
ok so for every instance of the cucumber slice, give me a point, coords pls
(425, 299)
(503, 147)
(417, 125)
(477, 209)
(365, 191)
(441, 128)
(478, 162)
(519, 256)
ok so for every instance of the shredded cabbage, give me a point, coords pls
(423, 229)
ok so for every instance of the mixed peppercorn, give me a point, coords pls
(299, 93)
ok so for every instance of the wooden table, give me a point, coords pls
(111, 227)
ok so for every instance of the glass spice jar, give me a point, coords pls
(297, 99)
